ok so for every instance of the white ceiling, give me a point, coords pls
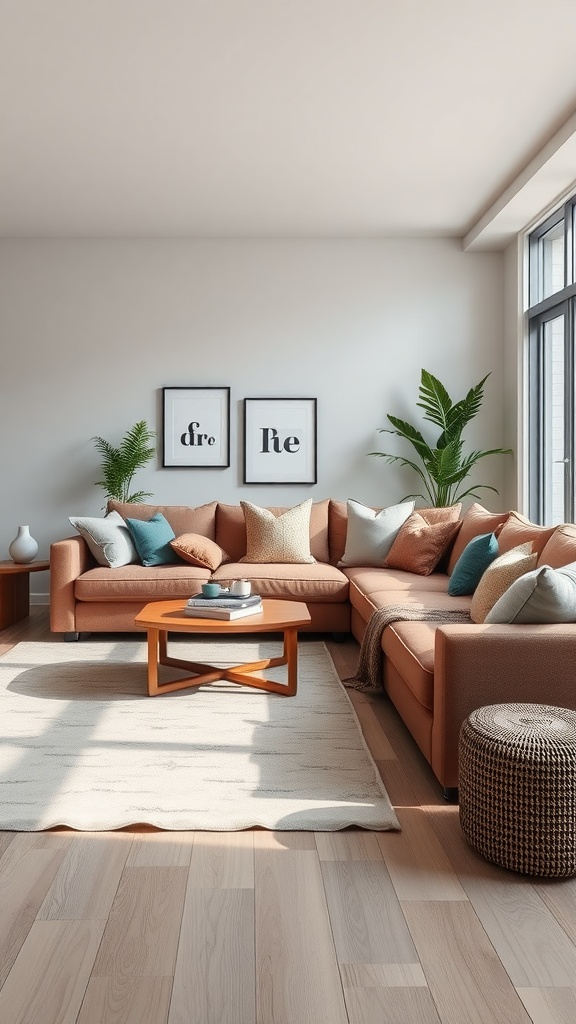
(273, 117)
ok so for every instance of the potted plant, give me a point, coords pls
(120, 464)
(442, 466)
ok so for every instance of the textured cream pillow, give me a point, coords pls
(500, 575)
(282, 538)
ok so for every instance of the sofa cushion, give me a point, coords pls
(231, 529)
(561, 548)
(311, 582)
(478, 554)
(366, 602)
(140, 583)
(198, 550)
(152, 540)
(410, 648)
(372, 579)
(370, 534)
(476, 520)
(499, 576)
(544, 595)
(283, 538)
(419, 545)
(108, 538)
(518, 530)
(182, 518)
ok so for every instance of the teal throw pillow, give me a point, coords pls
(474, 560)
(152, 540)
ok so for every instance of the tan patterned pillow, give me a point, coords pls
(282, 538)
(500, 575)
(198, 550)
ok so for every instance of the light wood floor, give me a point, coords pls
(144, 927)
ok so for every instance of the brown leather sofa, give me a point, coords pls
(435, 674)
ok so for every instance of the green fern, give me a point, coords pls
(444, 465)
(120, 464)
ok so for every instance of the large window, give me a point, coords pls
(551, 374)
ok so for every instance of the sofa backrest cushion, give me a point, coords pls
(182, 518)
(476, 520)
(518, 530)
(561, 548)
(231, 529)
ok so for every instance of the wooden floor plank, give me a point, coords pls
(550, 1005)
(366, 917)
(126, 1000)
(390, 1006)
(161, 850)
(25, 877)
(49, 979)
(214, 976)
(297, 977)
(397, 784)
(382, 975)
(142, 933)
(559, 895)
(466, 978)
(418, 866)
(88, 877)
(222, 860)
(350, 844)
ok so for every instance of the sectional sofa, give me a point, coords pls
(435, 673)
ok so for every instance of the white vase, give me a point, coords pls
(23, 548)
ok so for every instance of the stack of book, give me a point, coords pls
(226, 608)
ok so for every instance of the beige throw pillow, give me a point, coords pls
(500, 575)
(282, 538)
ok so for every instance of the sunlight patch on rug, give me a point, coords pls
(82, 745)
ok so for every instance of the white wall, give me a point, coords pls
(91, 331)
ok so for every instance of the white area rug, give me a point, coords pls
(81, 745)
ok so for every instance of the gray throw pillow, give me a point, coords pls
(370, 534)
(543, 595)
(109, 539)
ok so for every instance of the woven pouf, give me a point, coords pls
(517, 783)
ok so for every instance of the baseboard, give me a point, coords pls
(40, 599)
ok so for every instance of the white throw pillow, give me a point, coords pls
(109, 539)
(544, 595)
(370, 534)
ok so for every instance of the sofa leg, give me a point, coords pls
(451, 794)
(71, 636)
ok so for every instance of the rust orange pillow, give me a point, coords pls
(198, 550)
(419, 545)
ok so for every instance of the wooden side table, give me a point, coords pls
(15, 589)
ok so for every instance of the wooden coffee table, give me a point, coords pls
(162, 617)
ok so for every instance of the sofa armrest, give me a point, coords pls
(69, 558)
(475, 665)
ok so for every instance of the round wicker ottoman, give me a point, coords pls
(517, 782)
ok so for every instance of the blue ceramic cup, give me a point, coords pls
(211, 589)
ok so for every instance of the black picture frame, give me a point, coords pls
(280, 440)
(196, 427)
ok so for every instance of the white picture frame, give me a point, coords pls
(280, 445)
(196, 427)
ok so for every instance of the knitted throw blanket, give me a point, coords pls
(370, 662)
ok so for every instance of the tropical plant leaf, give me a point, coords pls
(434, 399)
(409, 433)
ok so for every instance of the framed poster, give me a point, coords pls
(280, 440)
(196, 425)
